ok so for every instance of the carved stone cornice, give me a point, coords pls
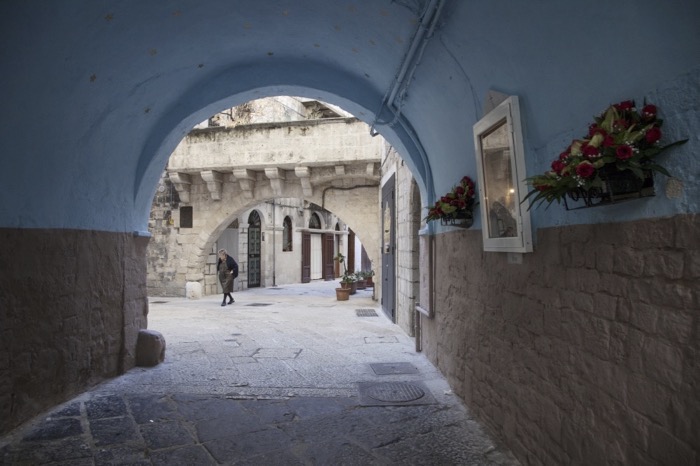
(277, 178)
(304, 175)
(182, 183)
(246, 180)
(214, 182)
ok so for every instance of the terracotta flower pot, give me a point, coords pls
(342, 294)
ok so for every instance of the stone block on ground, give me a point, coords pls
(193, 290)
(150, 348)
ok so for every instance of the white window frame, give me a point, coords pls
(507, 113)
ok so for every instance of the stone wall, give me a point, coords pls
(408, 210)
(586, 353)
(71, 305)
(163, 251)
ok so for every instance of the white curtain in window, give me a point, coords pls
(316, 257)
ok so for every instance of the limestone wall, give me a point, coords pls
(71, 305)
(586, 353)
(408, 215)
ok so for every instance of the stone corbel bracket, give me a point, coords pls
(182, 183)
(276, 177)
(246, 180)
(371, 170)
(304, 174)
(214, 182)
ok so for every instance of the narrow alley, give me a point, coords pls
(283, 376)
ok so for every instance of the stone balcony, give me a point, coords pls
(312, 153)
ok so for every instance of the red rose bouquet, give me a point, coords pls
(460, 199)
(621, 138)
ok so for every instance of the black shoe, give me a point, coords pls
(231, 301)
(223, 304)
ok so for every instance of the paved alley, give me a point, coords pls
(283, 376)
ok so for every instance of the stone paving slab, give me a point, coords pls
(263, 385)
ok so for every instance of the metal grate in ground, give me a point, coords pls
(259, 304)
(366, 313)
(391, 368)
(158, 302)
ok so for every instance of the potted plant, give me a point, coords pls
(456, 208)
(342, 294)
(614, 161)
(361, 281)
(348, 280)
(368, 278)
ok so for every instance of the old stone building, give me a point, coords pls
(262, 185)
(574, 336)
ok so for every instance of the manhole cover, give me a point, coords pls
(395, 391)
(259, 304)
(366, 313)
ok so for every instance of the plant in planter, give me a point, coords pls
(342, 294)
(361, 280)
(614, 161)
(368, 278)
(346, 281)
(456, 208)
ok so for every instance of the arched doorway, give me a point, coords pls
(254, 246)
(316, 249)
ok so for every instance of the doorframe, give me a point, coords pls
(388, 252)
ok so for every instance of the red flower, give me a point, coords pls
(585, 169)
(624, 152)
(609, 141)
(564, 156)
(649, 111)
(558, 166)
(653, 135)
(620, 124)
(625, 105)
(459, 190)
(590, 151)
(468, 181)
(595, 129)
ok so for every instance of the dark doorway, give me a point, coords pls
(305, 257)
(328, 240)
(254, 245)
(388, 249)
(351, 251)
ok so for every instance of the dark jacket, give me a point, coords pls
(230, 265)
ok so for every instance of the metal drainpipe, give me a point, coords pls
(432, 13)
(274, 253)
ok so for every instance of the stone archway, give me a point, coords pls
(220, 173)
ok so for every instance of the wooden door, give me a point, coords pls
(327, 256)
(305, 257)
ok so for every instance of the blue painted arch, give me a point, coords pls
(253, 81)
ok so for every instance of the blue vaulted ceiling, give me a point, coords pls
(95, 95)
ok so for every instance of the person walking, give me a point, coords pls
(228, 270)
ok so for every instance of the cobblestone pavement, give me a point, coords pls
(284, 376)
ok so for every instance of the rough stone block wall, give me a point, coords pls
(71, 305)
(406, 251)
(586, 353)
(163, 253)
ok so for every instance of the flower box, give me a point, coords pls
(461, 219)
(456, 208)
(617, 186)
(612, 163)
